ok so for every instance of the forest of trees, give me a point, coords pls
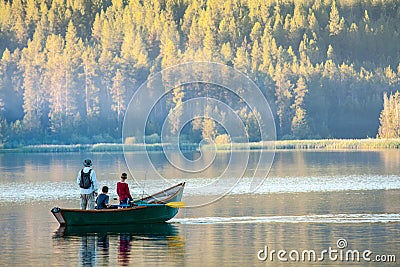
(390, 117)
(69, 68)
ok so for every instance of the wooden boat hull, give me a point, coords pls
(132, 215)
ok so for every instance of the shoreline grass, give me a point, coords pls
(339, 144)
(100, 147)
(323, 144)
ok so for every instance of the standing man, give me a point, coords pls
(87, 182)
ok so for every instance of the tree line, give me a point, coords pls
(69, 68)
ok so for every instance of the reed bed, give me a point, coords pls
(325, 144)
(335, 144)
(53, 148)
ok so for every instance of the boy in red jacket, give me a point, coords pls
(123, 190)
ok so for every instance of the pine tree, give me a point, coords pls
(256, 32)
(242, 60)
(208, 130)
(21, 32)
(32, 14)
(91, 95)
(390, 117)
(210, 46)
(300, 128)
(176, 112)
(169, 49)
(54, 81)
(118, 95)
(256, 58)
(227, 54)
(313, 23)
(58, 17)
(283, 94)
(6, 24)
(223, 30)
(107, 66)
(253, 125)
(336, 24)
(268, 48)
(3, 81)
(11, 98)
(195, 36)
(73, 67)
(134, 50)
(35, 96)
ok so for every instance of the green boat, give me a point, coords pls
(152, 209)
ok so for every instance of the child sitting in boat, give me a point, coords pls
(102, 200)
(123, 191)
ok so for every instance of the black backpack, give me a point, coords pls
(85, 181)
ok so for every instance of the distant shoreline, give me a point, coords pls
(324, 144)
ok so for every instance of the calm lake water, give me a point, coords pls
(342, 206)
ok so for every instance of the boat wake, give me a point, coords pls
(299, 185)
(324, 218)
